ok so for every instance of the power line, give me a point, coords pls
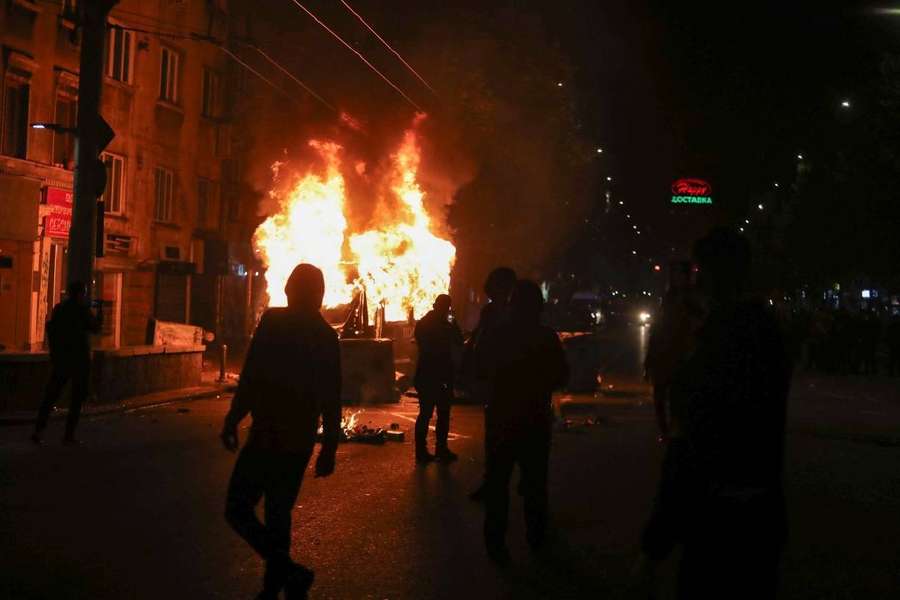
(238, 60)
(293, 77)
(357, 53)
(197, 37)
(388, 46)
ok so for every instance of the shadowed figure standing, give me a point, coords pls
(720, 494)
(436, 337)
(498, 287)
(291, 376)
(523, 361)
(68, 335)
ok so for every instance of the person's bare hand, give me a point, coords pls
(229, 437)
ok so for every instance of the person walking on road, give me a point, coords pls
(721, 493)
(68, 334)
(523, 362)
(498, 287)
(291, 376)
(437, 336)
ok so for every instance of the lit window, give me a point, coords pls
(114, 196)
(119, 54)
(164, 186)
(168, 76)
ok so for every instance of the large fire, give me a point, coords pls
(399, 260)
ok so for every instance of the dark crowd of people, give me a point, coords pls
(846, 341)
(717, 358)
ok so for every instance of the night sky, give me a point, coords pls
(722, 91)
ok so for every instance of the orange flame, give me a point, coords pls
(401, 263)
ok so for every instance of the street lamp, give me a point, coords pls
(54, 127)
(599, 150)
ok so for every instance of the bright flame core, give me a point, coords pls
(401, 263)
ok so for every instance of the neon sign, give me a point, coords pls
(691, 191)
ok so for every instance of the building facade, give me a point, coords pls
(174, 196)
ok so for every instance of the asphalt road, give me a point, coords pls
(137, 512)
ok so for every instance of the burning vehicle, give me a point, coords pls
(380, 275)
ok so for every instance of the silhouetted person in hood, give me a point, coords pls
(523, 361)
(721, 495)
(68, 335)
(498, 287)
(291, 376)
(436, 337)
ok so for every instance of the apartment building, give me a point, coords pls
(175, 232)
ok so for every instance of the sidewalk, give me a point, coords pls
(210, 387)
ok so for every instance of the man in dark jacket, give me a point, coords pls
(523, 361)
(498, 287)
(721, 495)
(437, 337)
(292, 375)
(68, 335)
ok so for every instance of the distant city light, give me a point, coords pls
(742, 229)
(747, 221)
(760, 206)
(657, 268)
(627, 216)
(608, 178)
(799, 157)
(599, 150)
(634, 252)
(777, 184)
(845, 104)
(559, 84)
(634, 226)
(621, 202)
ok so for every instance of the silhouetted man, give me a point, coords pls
(498, 287)
(721, 494)
(670, 339)
(436, 336)
(68, 335)
(523, 361)
(291, 376)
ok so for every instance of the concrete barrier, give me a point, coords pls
(367, 367)
(116, 374)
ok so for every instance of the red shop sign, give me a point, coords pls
(691, 187)
(59, 218)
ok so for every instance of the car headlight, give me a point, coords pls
(644, 317)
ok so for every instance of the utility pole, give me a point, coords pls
(93, 135)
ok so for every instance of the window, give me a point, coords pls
(64, 143)
(114, 196)
(15, 116)
(168, 76)
(210, 94)
(119, 54)
(207, 206)
(165, 195)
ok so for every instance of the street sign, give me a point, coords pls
(690, 190)
(105, 134)
(59, 218)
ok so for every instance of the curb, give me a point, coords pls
(123, 407)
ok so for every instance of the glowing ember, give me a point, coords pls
(400, 261)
